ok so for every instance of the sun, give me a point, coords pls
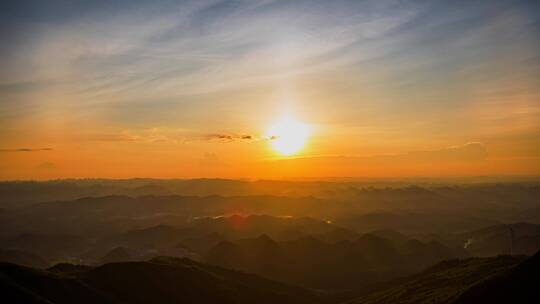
(288, 136)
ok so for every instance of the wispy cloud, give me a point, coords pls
(199, 46)
(215, 71)
(175, 136)
(469, 152)
(26, 150)
(155, 51)
(228, 137)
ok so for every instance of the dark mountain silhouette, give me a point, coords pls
(502, 279)
(421, 254)
(336, 234)
(442, 283)
(277, 227)
(101, 216)
(156, 237)
(161, 280)
(344, 237)
(197, 237)
(517, 285)
(414, 220)
(227, 227)
(154, 241)
(103, 207)
(192, 239)
(52, 246)
(69, 268)
(201, 244)
(23, 258)
(311, 262)
(517, 238)
(391, 235)
(118, 254)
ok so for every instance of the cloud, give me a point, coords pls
(26, 150)
(466, 153)
(148, 135)
(112, 137)
(472, 151)
(153, 135)
(222, 137)
(469, 158)
(163, 63)
(23, 86)
(196, 47)
(227, 137)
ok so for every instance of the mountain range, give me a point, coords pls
(502, 279)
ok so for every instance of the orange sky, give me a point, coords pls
(191, 90)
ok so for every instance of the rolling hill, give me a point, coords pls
(341, 265)
(161, 280)
(442, 283)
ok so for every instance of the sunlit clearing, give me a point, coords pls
(288, 135)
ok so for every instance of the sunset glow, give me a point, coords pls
(269, 151)
(269, 89)
(288, 136)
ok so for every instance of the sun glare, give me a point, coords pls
(288, 136)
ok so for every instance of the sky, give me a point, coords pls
(182, 89)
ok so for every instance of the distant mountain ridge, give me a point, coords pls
(310, 262)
